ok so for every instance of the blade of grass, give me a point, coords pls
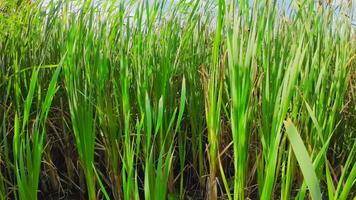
(303, 159)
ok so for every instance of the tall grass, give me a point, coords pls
(28, 152)
(177, 100)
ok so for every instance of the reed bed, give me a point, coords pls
(177, 99)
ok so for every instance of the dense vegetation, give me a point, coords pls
(177, 100)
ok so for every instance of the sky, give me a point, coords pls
(336, 4)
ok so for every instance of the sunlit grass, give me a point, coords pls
(177, 100)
